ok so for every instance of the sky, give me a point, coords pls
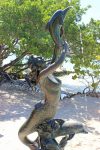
(93, 12)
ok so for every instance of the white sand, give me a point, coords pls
(16, 106)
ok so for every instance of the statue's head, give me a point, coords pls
(36, 65)
(36, 62)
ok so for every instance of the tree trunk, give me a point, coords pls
(12, 63)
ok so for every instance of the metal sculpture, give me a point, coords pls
(41, 118)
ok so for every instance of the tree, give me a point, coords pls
(24, 21)
(22, 28)
(86, 62)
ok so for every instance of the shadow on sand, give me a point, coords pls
(16, 104)
(80, 108)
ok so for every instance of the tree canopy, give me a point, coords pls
(25, 20)
(22, 29)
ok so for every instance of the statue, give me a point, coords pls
(55, 27)
(36, 64)
(41, 119)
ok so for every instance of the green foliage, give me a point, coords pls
(26, 19)
(22, 21)
(86, 62)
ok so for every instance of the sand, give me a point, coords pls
(16, 106)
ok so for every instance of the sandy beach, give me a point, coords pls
(16, 106)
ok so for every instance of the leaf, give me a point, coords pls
(74, 77)
(94, 85)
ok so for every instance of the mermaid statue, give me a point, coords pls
(41, 119)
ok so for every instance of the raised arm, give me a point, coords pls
(50, 69)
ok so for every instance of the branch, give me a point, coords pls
(12, 63)
(22, 70)
(21, 65)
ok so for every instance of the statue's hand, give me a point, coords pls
(33, 147)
